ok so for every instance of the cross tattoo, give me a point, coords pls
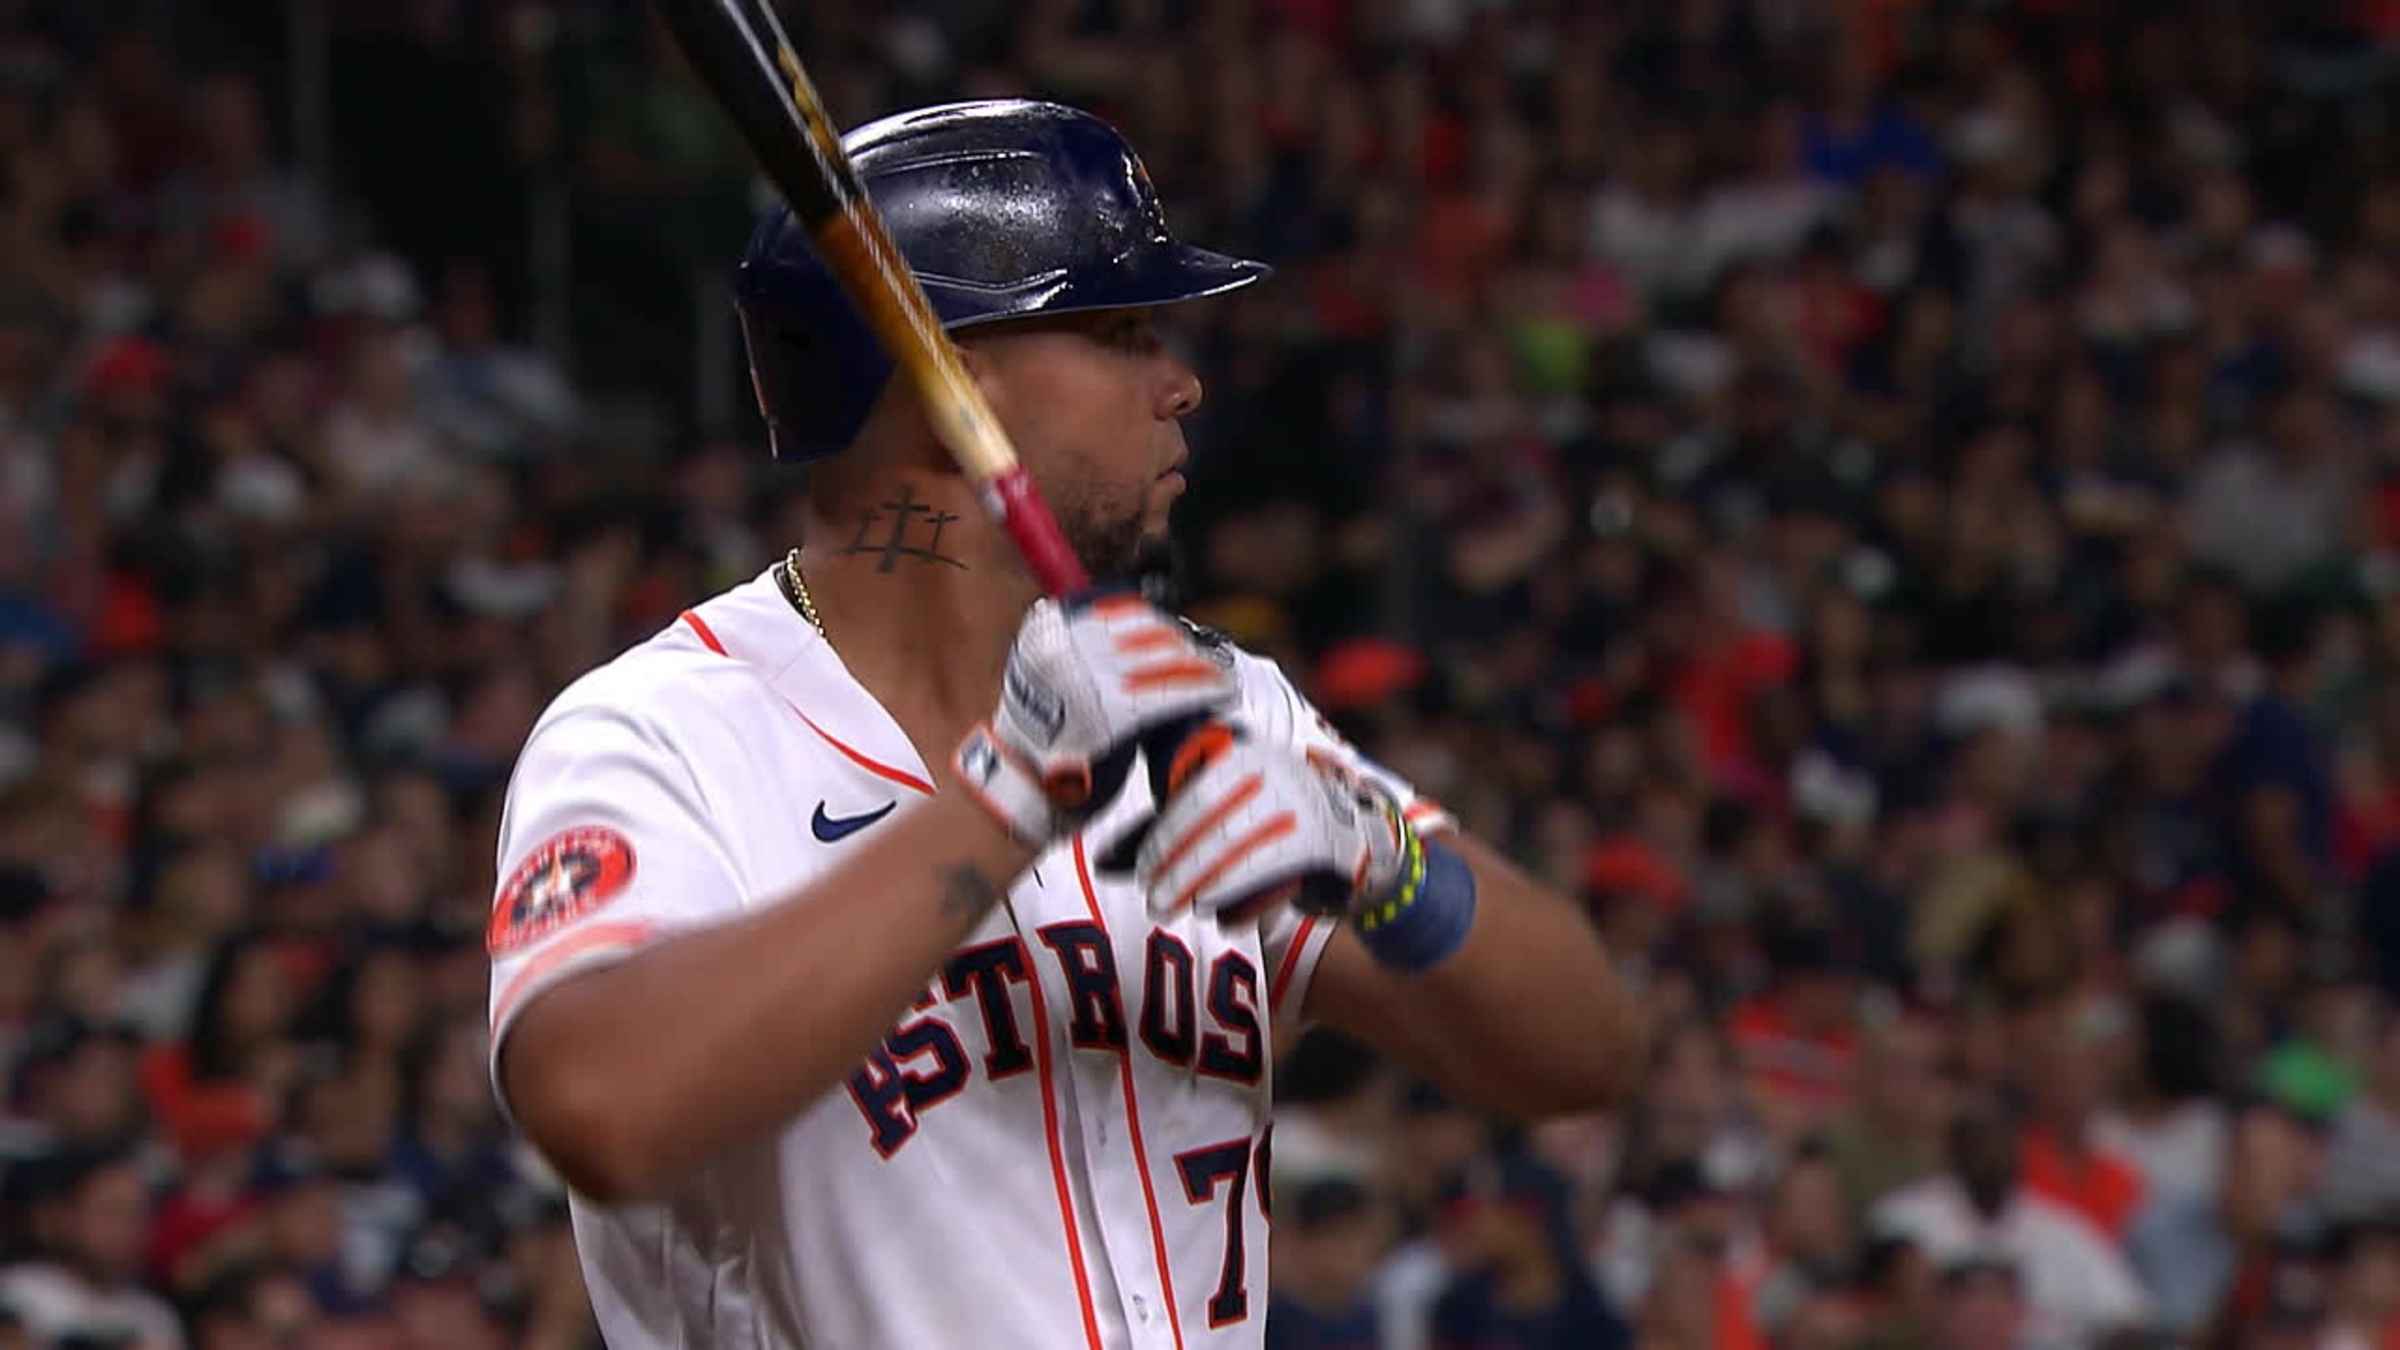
(895, 546)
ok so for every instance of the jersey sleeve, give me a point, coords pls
(1273, 709)
(606, 844)
(1292, 943)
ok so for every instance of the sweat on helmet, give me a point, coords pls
(1004, 208)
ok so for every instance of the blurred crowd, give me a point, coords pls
(1892, 504)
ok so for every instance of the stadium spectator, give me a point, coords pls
(2362, 1161)
(88, 1214)
(1982, 1218)
(1893, 1133)
(1332, 1241)
(1518, 1283)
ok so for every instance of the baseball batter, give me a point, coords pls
(843, 960)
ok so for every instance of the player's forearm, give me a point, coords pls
(1528, 1018)
(1531, 1016)
(630, 1077)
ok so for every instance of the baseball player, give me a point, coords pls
(813, 971)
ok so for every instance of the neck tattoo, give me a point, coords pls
(902, 527)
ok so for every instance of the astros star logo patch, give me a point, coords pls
(568, 876)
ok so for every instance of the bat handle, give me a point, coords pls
(1171, 752)
(1176, 750)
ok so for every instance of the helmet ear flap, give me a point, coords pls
(815, 385)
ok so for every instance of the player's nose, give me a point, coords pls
(1182, 391)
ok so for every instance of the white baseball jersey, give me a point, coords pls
(1063, 1142)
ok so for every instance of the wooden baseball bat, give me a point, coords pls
(743, 54)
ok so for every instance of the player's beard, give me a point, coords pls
(1112, 538)
(1158, 571)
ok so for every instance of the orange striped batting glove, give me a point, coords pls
(1083, 683)
(1261, 824)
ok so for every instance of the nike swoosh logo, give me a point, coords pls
(834, 829)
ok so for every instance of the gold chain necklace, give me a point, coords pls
(795, 589)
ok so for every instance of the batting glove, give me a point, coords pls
(1083, 683)
(1256, 824)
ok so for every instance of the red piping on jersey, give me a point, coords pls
(1058, 1164)
(1133, 1125)
(874, 766)
(1418, 811)
(903, 777)
(575, 943)
(1291, 962)
(708, 637)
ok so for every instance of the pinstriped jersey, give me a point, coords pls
(1063, 1141)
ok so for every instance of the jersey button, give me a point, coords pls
(1141, 1307)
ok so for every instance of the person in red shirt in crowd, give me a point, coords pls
(1712, 664)
(1798, 1041)
(222, 1086)
(2065, 1079)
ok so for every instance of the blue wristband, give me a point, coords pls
(1426, 917)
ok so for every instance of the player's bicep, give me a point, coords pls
(606, 846)
(1359, 998)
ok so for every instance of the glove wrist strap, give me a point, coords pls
(1423, 917)
(1006, 788)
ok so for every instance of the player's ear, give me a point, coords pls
(986, 364)
(982, 368)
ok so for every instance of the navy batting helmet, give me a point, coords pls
(1003, 208)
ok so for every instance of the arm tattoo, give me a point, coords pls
(904, 510)
(966, 891)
